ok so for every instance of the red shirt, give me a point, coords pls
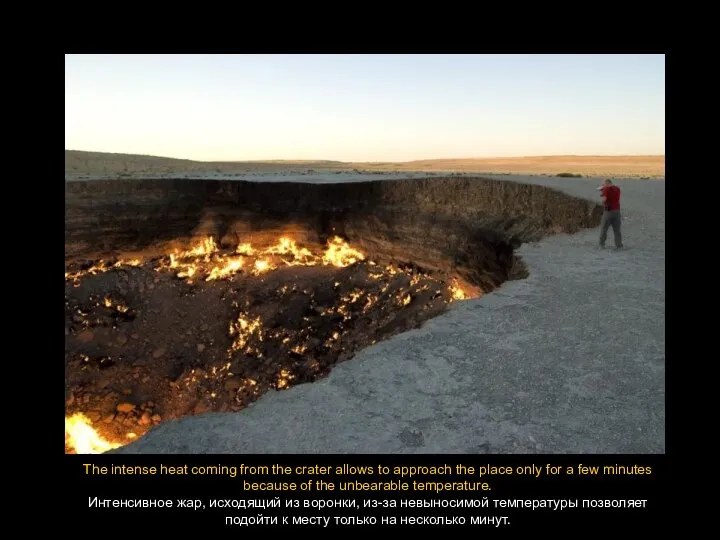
(612, 197)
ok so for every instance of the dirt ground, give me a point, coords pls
(77, 162)
(145, 344)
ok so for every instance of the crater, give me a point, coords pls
(190, 296)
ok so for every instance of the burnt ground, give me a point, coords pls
(143, 346)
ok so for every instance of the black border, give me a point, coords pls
(670, 464)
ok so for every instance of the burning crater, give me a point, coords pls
(189, 296)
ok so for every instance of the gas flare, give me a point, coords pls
(82, 437)
(232, 265)
(340, 254)
(457, 293)
(205, 260)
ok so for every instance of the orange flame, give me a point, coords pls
(457, 292)
(340, 254)
(82, 437)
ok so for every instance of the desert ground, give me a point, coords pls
(570, 359)
(93, 164)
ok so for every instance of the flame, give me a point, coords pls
(99, 267)
(205, 247)
(457, 293)
(300, 256)
(206, 261)
(131, 262)
(340, 254)
(245, 249)
(243, 329)
(83, 438)
(231, 266)
(283, 379)
(261, 266)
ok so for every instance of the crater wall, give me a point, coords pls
(467, 226)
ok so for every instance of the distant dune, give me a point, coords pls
(80, 162)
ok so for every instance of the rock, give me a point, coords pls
(86, 336)
(157, 353)
(127, 392)
(77, 319)
(204, 327)
(122, 339)
(200, 407)
(144, 419)
(70, 399)
(107, 419)
(125, 407)
(229, 240)
(129, 421)
(135, 336)
(146, 378)
(86, 399)
(200, 347)
(93, 416)
(150, 404)
(156, 418)
(233, 383)
(189, 332)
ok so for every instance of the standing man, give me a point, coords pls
(611, 217)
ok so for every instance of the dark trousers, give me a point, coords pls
(611, 218)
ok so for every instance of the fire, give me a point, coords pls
(457, 292)
(324, 329)
(284, 378)
(340, 254)
(205, 260)
(131, 262)
(99, 267)
(243, 329)
(232, 265)
(300, 256)
(206, 247)
(83, 438)
(245, 249)
(261, 266)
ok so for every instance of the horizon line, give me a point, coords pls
(319, 160)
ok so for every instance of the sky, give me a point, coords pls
(365, 107)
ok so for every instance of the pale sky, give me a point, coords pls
(365, 107)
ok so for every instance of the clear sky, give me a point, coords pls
(365, 107)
